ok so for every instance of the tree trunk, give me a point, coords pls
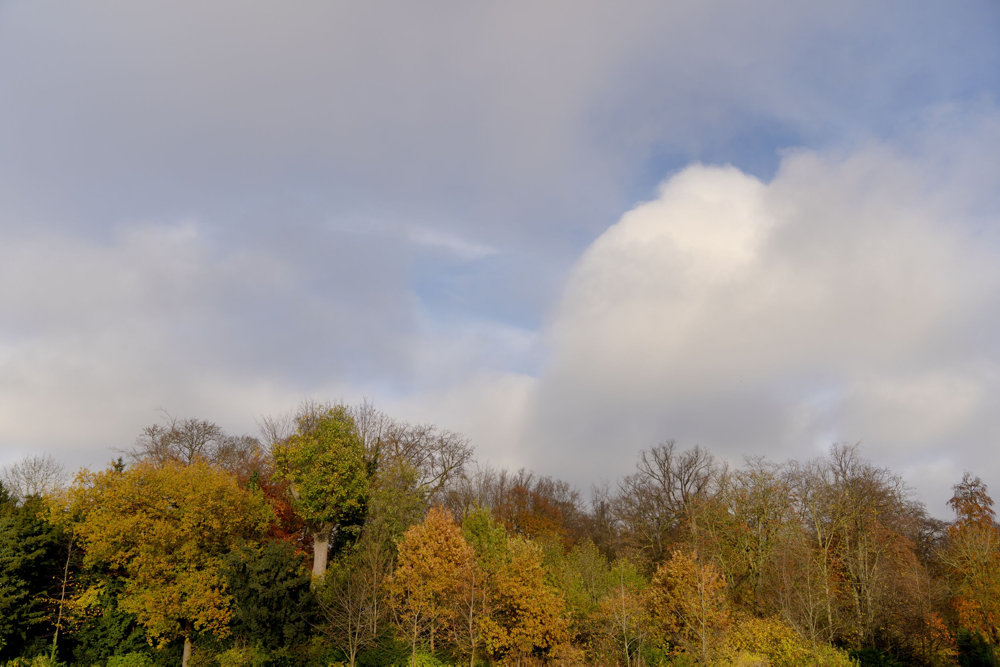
(321, 551)
(187, 652)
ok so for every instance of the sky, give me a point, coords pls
(570, 230)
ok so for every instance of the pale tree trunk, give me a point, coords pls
(413, 654)
(321, 551)
(187, 652)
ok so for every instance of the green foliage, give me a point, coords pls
(777, 643)
(104, 628)
(325, 464)
(272, 603)
(30, 566)
(133, 659)
(975, 651)
(487, 536)
(36, 661)
(421, 659)
(244, 656)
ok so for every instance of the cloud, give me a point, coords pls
(844, 300)
(208, 208)
(99, 336)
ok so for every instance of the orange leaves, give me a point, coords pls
(434, 566)
(433, 558)
(973, 558)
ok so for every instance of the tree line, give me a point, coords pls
(343, 536)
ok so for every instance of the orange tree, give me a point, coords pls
(434, 566)
(973, 559)
(165, 530)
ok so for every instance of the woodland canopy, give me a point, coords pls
(343, 536)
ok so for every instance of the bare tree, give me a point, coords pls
(657, 504)
(33, 476)
(373, 426)
(439, 456)
(185, 440)
(181, 440)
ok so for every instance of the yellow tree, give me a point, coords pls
(434, 567)
(523, 613)
(688, 603)
(165, 529)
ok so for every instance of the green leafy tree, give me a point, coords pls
(324, 464)
(272, 604)
(622, 619)
(30, 564)
(166, 529)
(353, 595)
(99, 629)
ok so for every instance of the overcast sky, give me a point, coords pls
(570, 230)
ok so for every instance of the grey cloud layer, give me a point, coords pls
(221, 209)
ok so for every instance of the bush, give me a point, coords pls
(37, 661)
(772, 641)
(243, 656)
(133, 659)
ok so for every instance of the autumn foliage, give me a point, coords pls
(196, 550)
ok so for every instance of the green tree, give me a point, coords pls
(30, 563)
(272, 604)
(324, 464)
(622, 619)
(166, 530)
(353, 595)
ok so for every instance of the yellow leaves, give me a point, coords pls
(688, 602)
(770, 638)
(166, 528)
(527, 613)
(434, 560)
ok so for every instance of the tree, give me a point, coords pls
(434, 565)
(30, 561)
(166, 529)
(353, 595)
(324, 465)
(656, 504)
(438, 456)
(622, 615)
(185, 440)
(972, 557)
(688, 603)
(523, 613)
(33, 476)
(745, 528)
(272, 604)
